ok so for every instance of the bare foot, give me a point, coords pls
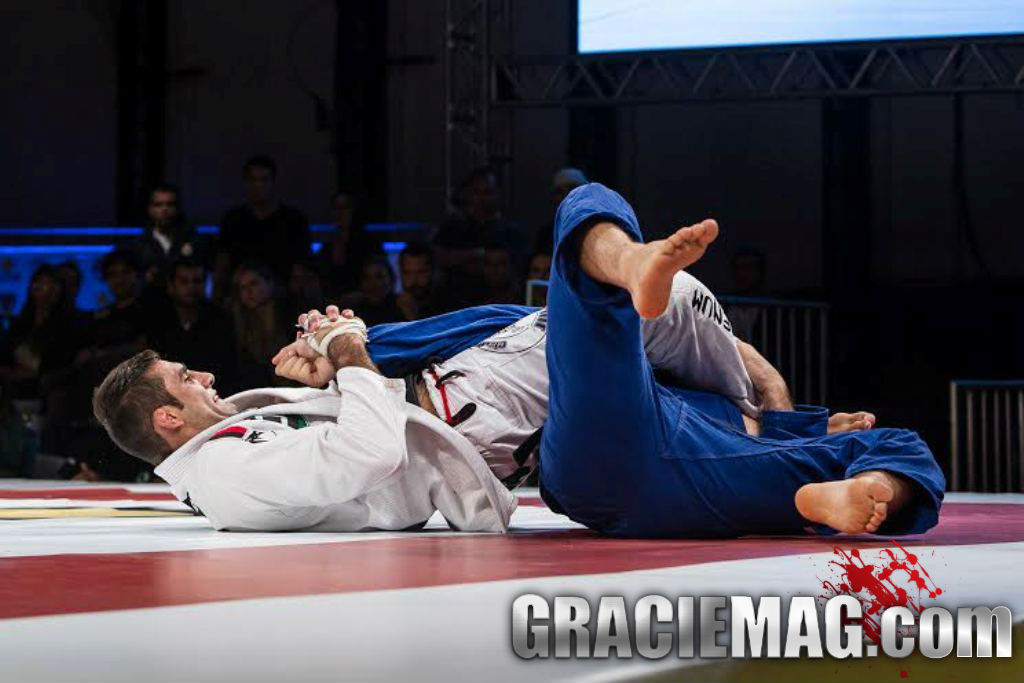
(850, 422)
(852, 506)
(656, 263)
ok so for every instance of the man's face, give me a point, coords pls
(483, 197)
(202, 407)
(343, 211)
(187, 285)
(121, 280)
(253, 289)
(375, 281)
(540, 267)
(416, 275)
(259, 185)
(163, 208)
(496, 267)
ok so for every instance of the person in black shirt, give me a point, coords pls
(262, 230)
(564, 181)
(193, 330)
(422, 295)
(264, 320)
(461, 240)
(349, 247)
(375, 300)
(168, 237)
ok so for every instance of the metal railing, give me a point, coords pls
(986, 435)
(791, 334)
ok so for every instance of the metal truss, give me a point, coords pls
(467, 64)
(946, 66)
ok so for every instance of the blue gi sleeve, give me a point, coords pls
(401, 348)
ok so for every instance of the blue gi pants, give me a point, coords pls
(628, 456)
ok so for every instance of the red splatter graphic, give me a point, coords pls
(903, 674)
(886, 583)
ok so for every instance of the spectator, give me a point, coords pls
(461, 240)
(343, 255)
(375, 301)
(261, 230)
(42, 337)
(564, 181)
(18, 443)
(192, 330)
(500, 286)
(122, 322)
(421, 295)
(264, 322)
(71, 275)
(304, 285)
(540, 269)
(748, 271)
(168, 237)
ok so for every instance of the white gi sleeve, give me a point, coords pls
(694, 342)
(321, 465)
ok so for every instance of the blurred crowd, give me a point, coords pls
(227, 303)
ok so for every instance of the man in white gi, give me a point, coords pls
(310, 459)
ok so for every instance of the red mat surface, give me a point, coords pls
(59, 584)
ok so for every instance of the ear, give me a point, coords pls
(167, 419)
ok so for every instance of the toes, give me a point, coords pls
(709, 232)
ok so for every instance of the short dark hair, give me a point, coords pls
(415, 250)
(183, 262)
(260, 161)
(169, 188)
(124, 403)
(379, 260)
(122, 255)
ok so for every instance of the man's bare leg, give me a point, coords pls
(854, 506)
(609, 255)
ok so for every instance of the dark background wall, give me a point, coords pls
(58, 120)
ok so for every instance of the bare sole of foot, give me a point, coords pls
(850, 422)
(851, 506)
(657, 263)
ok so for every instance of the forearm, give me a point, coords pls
(348, 350)
(767, 381)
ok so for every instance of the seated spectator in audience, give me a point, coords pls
(43, 337)
(540, 269)
(71, 275)
(262, 229)
(500, 285)
(349, 247)
(748, 269)
(122, 323)
(264, 322)
(461, 240)
(564, 181)
(168, 237)
(18, 443)
(422, 296)
(375, 300)
(304, 285)
(193, 330)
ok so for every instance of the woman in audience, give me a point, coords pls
(263, 324)
(43, 337)
(375, 299)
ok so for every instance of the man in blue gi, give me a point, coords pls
(628, 456)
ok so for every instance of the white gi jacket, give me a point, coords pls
(368, 460)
